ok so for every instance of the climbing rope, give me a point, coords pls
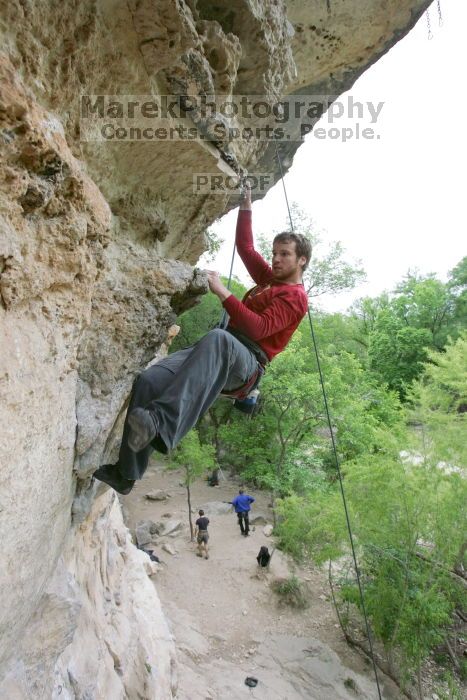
(334, 450)
(225, 316)
(223, 323)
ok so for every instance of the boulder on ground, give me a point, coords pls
(258, 519)
(267, 530)
(157, 495)
(171, 526)
(169, 549)
(143, 533)
(146, 531)
(216, 508)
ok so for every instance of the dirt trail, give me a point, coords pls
(225, 619)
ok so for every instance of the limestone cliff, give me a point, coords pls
(97, 242)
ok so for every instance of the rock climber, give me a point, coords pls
(242, 504)
(169, 397)
(202, 535)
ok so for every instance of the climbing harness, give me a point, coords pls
(246, 396)
(334, 449)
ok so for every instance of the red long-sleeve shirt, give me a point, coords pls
(270, 312)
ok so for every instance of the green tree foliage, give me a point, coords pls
(439, 408)
(425, 303)
(396, 350)
(457, 287)
(213, 243)
(282, 448)
(440, 397)
(408, 515)
(290, 412)
(337, 332)
(195, 459)
(402, 519)
(398, 329)
(365, 312)
(403, 465)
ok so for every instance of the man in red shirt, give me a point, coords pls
(169, 398)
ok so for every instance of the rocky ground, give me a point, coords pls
(225, 618)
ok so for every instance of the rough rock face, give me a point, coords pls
(96, 246)
(105, 634)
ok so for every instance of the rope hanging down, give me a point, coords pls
(225, 316)
(223, 323)
(334, 449)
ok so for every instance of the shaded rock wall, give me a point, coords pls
(96, 246)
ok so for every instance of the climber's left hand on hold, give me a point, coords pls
(245, 199)
(216, 286)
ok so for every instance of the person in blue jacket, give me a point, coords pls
(242, 504)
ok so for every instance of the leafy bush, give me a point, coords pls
(290, 591)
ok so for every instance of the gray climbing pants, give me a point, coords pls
(180, 388)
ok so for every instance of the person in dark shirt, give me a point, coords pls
(263, 557)
(242, 504)
(169, 397)
(202, 535)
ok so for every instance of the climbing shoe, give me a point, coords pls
(110, 475)
(143, 428)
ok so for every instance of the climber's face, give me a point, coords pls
(286, 265)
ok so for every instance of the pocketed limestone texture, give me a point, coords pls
(97, 243)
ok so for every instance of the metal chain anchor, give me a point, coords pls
(428, 20)
(440, 14)
(428, 24)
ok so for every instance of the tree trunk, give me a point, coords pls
(419, 682)
(459, 565)
(190, 520)
(273, 503)
(274, 490)
(215, 424)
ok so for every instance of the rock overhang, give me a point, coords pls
(268, 49)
